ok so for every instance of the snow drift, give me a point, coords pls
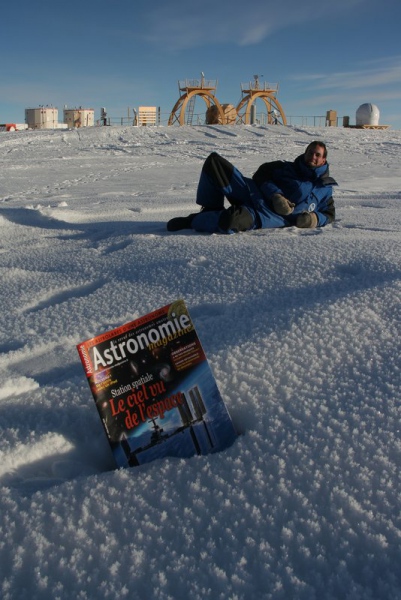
(301, 328)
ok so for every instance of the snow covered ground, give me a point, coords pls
(301, 328)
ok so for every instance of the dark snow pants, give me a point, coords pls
(219, 179)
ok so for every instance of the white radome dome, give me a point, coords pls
(367, 114)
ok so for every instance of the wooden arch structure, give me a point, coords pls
(183, 110)
(268, 94)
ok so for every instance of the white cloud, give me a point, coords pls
(179, 26)
(371, 75)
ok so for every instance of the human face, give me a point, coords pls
(314, 156)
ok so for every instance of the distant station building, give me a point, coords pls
(79, 117)
(44, 117)
(147, 115)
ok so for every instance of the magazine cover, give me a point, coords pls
(154, 389)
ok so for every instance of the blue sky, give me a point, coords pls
(123, 53)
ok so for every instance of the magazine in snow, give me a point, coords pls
(154, 389)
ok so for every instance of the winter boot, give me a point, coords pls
(179, 223)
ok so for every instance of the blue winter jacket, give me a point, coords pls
(309, 189)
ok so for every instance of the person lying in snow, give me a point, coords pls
(280, 194)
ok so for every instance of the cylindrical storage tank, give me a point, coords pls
(212, 115)
(79, 117)
(230, 113)
(367, 114)
(41, 118)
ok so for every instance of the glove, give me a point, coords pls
(281, 205)
(307, 220)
